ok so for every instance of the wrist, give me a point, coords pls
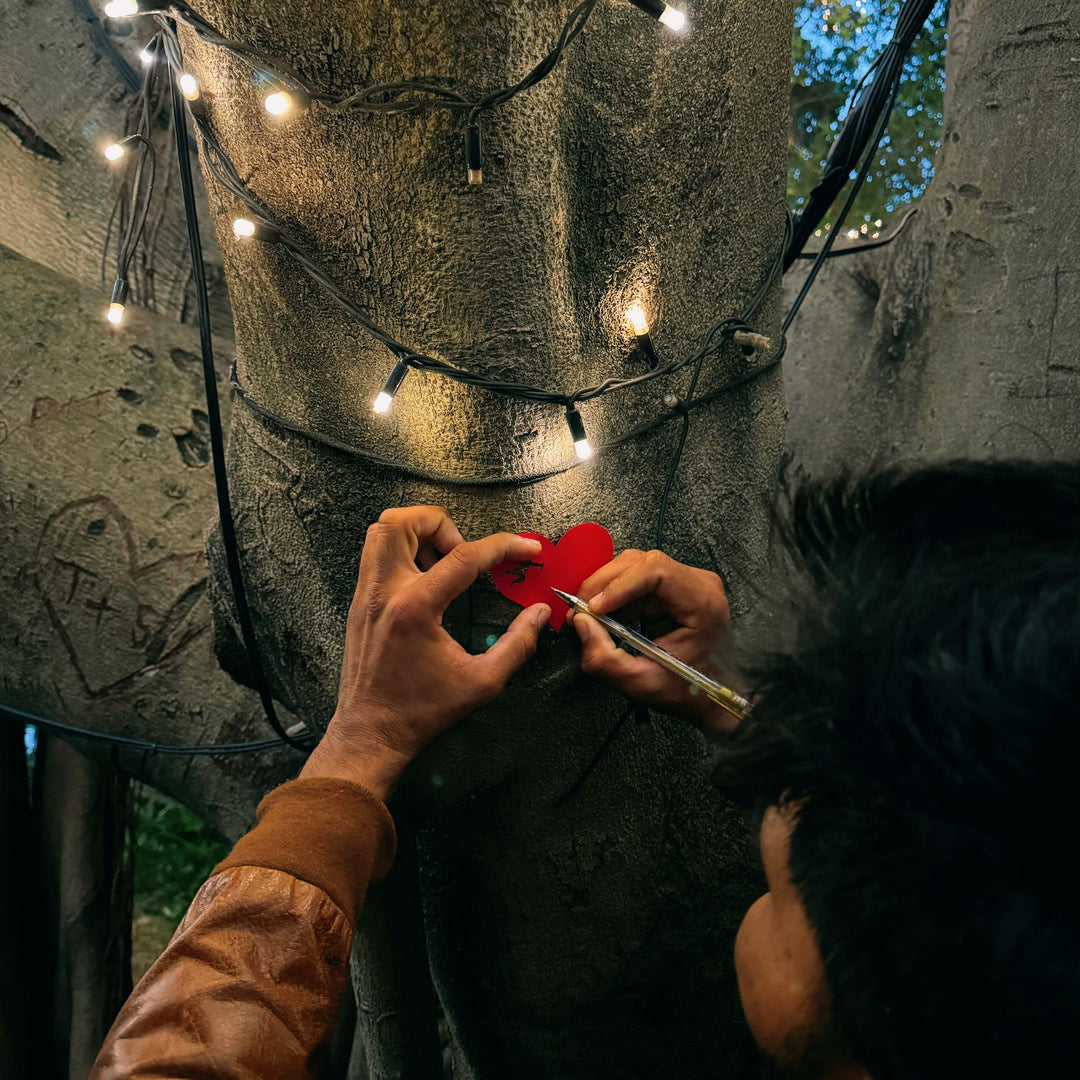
(373, 766)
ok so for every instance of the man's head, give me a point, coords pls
(915, 747)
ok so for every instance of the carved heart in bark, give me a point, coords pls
(564, 565)
(115, 614)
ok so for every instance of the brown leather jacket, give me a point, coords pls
(250, 984)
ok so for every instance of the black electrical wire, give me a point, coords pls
(878, 91)
(145, 746)
(217, 441)
(385, 97)
(823, 254)
(870, 245)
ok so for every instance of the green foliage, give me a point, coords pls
(174, 854)
(832, 47)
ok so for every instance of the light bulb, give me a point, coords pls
(147, 55)
(243, 226)
(122, 9)
(640, 323)
(673, 18)
(189, 87)
(277, 103)
(114, 152)
(115, 314)
(582, 446)
(385, 397)
(636, 316)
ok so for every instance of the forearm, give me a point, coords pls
(250, 984)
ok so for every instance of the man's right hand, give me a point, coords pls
(683, 604)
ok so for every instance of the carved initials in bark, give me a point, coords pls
(115, 615)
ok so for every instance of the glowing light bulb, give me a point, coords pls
(385, 397)
(115, 314)
(189, 87)
(243, 226)
(277, 103)
(122, 9)
(147, 55)
(638, 320)
(582, 446)
(114, 152)
(673, 18)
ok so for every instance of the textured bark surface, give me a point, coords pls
(570, 930)
(105, 494)
(963, 337)
(61, 103)
(85, 894)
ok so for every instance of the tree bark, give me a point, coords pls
(82, 811)
(105, 492)
(963, 337)
(61, 103)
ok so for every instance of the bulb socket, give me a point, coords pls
(647, 349)
(119, 292)
(577, 425)
(385, 396)
(474, 155)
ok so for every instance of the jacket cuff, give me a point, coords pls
(332, 834)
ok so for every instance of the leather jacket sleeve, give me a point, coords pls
(249, 985)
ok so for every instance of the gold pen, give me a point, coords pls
(716, 692)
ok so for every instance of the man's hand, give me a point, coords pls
(404, 678)
(683, 604)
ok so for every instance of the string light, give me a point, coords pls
(258, 223)
(640, 322)
(115, 314)
(385, 397)
(278, 103)
(147, 55)
(122, 9)
(189, 87)
(114, 152)
(672, 18)
(582, 446)
(474, 159)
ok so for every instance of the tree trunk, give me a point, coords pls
(82, 811)
(572, 929)
(963, 337)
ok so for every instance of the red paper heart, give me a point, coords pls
(565, 565)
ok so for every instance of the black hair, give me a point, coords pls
(922, 723)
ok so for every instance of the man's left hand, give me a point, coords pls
(404, 679)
